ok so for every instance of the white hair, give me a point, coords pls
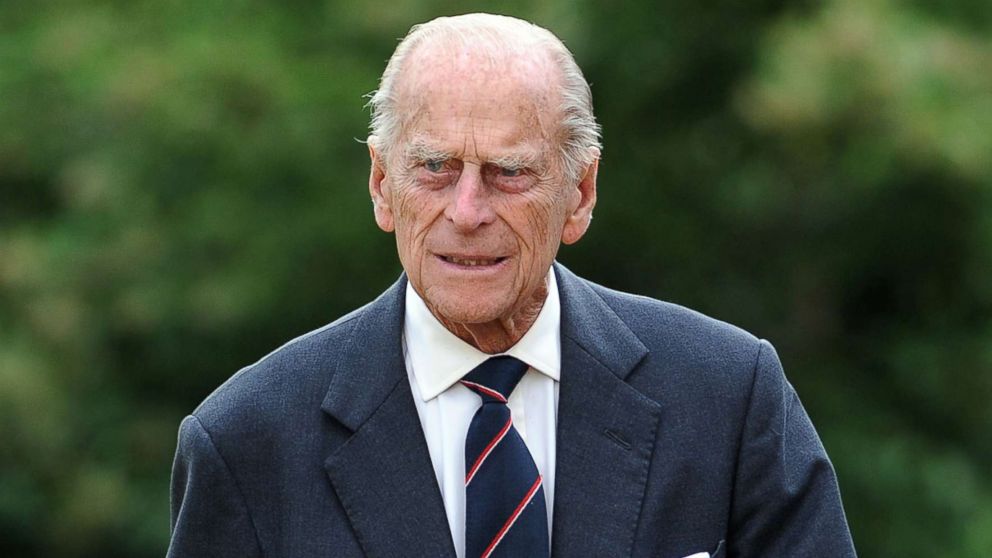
(578, 132)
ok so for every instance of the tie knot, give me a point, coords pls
(495, 378)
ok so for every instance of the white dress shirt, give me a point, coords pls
(436, 359)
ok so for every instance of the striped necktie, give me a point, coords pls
(505, 509)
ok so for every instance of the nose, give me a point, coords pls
(469, 207)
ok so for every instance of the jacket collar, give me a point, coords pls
(591, 324)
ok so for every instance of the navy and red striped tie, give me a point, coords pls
(505, 510)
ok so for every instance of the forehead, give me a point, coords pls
(450, 95)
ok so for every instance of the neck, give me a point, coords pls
(499, 335)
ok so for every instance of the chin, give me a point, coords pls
(465, 311)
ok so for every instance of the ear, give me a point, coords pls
(380, 191)
(577, 221)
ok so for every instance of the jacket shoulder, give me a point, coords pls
(300, 370)
(649, 318)
(686, 346)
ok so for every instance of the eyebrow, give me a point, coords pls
(516, 161)
(420, 150)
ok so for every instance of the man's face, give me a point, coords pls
(473, 188)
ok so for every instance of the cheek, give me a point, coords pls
(415, 209)
(537, 226)
(548, 216)
(541, 225)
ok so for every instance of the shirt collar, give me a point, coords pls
(439, 358)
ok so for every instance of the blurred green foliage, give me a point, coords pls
(181, 190)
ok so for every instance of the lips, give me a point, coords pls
(472, 261)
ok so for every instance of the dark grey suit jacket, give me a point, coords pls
(677, 434)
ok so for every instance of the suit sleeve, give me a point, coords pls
(209, 513)
(786, 501)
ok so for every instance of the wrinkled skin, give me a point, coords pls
(474, 192)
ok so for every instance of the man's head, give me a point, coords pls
(484, 156)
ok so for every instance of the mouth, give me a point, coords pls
(472, 261)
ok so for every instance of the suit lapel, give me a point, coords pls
(382, 474)
(606, 429)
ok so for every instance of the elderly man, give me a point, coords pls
(491, 403)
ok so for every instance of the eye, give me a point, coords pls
(510, 178)
(436, 165)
